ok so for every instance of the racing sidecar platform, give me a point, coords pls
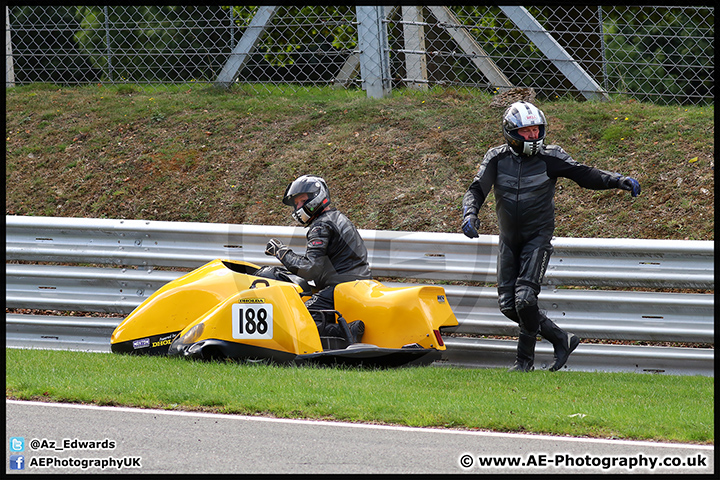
(238, 310)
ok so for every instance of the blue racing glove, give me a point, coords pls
(470, 226)
(630, 184)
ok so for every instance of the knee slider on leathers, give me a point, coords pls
(527, 310)
(525, 296)
(506, 302)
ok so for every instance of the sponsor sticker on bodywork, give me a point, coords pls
(166, 340)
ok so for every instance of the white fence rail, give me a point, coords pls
(131, 249)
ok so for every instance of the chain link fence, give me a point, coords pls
(650, 53)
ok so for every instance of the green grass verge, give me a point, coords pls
(617, 405)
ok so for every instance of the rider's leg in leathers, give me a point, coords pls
(325, 300)
(513, 299)
(520, 271)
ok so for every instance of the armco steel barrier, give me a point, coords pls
(642, 316)
(133, 248)
(437, 256)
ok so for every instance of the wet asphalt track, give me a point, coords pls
(158, 441)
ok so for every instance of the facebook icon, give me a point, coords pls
(17, 462)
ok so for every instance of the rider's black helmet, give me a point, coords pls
(318, 197)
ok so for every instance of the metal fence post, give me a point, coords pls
(415, 61)
(556, 53)
(108, 49)
(245, 46)
(374, 52)
(468, 44)
(602, 48)
(9, 69)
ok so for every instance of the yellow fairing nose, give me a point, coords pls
(266, 317)
(181, 302)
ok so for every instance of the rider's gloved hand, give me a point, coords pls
(275, 248)
(630, 184)
(470, 225)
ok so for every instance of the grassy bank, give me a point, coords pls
(617, 405)
(192, 153)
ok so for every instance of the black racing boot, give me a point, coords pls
(357, 328)
(352, 331)
(563, 343)
(345, 329)
(525, 354)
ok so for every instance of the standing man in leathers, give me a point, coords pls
(524, 172)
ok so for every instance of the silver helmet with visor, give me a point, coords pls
(520, 115)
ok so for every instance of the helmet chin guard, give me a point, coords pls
(302, 216)
(520, 115)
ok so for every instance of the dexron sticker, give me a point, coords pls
(142, 343)
(163, 341)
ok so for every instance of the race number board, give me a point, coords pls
(252, 321)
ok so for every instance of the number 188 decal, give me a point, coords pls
(252, 321)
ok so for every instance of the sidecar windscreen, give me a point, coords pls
(246, 268)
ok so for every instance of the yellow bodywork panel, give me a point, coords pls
(395, 316)
(182, 301)
(272, 317)
(223, 301)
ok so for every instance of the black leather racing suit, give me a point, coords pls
(524, 191)
(335, 253)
